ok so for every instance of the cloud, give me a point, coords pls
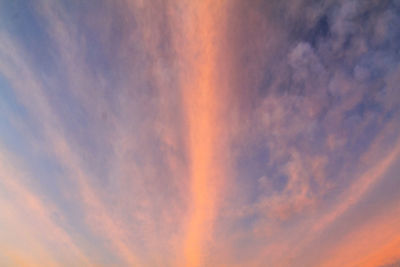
(198, 134)
(43, 231)
(57, 142)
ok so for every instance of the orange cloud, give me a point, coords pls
(168, 139)
(203, 109)
(376, 243)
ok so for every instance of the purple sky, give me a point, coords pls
(199, 133)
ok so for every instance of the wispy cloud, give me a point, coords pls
(216, 133)
(19, 202)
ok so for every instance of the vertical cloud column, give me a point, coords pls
(203, 107)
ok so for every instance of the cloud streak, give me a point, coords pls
(212, 133)
(202, 102)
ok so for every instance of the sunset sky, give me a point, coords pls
(200, 133)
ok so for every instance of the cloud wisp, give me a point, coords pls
(199, 133)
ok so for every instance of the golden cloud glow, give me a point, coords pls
(202, 107)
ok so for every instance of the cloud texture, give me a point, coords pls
(199, 133)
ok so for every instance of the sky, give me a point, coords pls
(191, 133)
